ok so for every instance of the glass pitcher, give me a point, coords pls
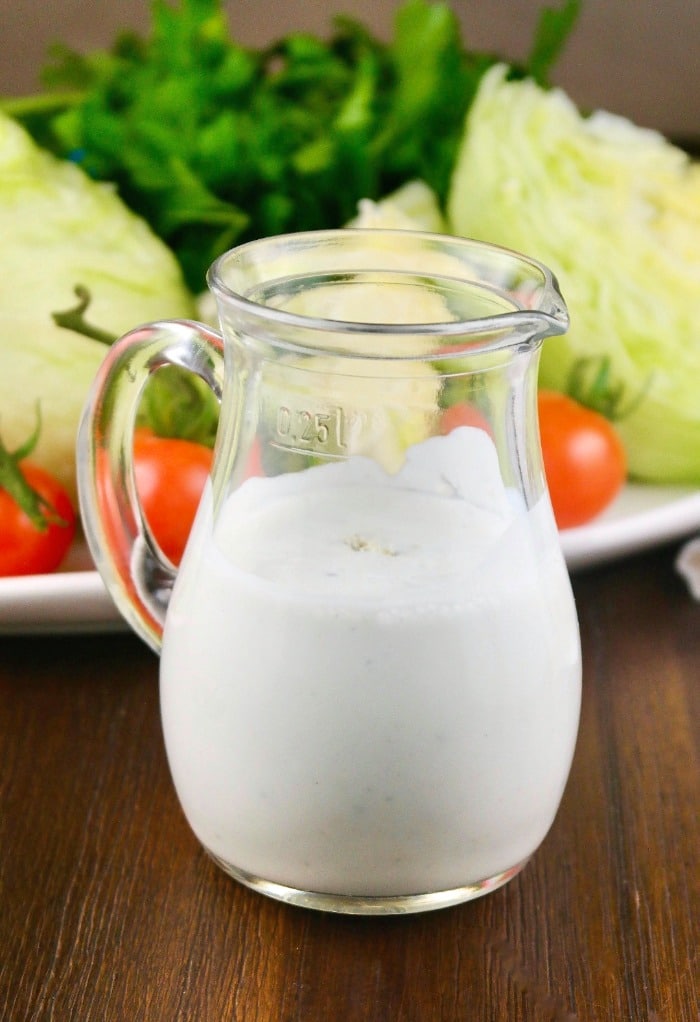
(370, 662)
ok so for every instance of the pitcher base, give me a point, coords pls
(355, 904)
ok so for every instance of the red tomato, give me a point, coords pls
(584, 460)
(25, 548)
(254, 466)
(462, 414)
(170, 476)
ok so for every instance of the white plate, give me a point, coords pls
(75, 599)
(640, 518)
(72, 600)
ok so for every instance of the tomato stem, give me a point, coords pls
(39, 511)
(74, 319)
(591, 384)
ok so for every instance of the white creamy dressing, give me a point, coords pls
(370, 683)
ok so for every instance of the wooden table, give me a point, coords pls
(109, 910)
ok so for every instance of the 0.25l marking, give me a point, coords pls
(311, 430)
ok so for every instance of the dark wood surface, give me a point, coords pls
(110, 911)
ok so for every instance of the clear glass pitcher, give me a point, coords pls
(370, 660)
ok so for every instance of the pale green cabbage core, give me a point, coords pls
(413, 206)
(58, 229)
(614, 210)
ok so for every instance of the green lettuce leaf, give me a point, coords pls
(614, 210)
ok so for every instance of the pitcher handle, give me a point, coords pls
(136, 572)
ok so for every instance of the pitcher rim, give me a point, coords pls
(506, 328)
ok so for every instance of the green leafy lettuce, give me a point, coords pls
(214, 143)
(614, 210)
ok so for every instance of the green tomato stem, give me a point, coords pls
(39, 511)
(74, 319)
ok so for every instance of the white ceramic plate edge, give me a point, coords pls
(67, 602)
(641, 518)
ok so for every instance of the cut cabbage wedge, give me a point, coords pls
(59, 229)
(614, 210)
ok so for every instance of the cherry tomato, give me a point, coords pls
(170, 476)
(584, 460)
(462, 414)
(25, 548)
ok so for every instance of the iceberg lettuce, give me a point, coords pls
(59, 229)
(413, 206)
(614, 210)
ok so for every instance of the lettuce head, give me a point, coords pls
(413, 206)
(59, 229)
(614, 210)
